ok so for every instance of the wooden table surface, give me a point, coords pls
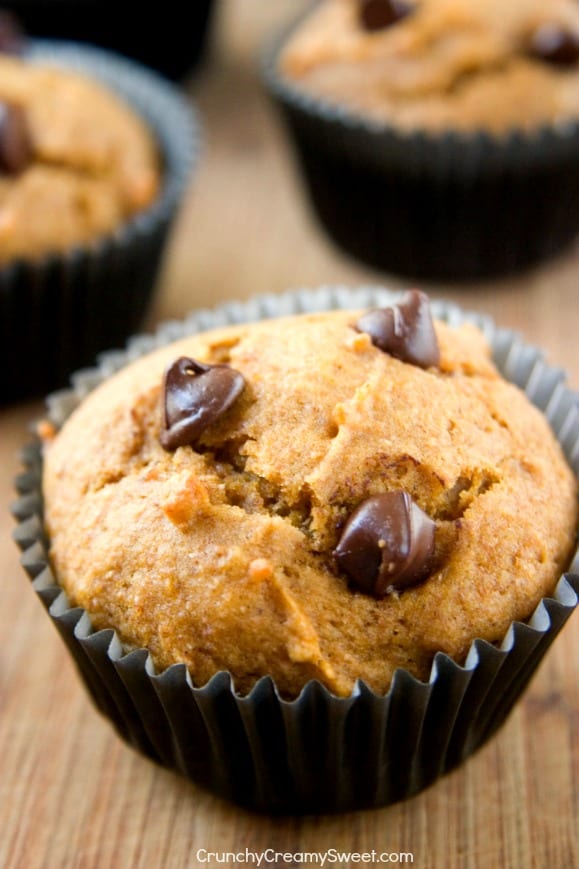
(71, 793)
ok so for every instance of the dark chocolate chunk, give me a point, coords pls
(15, 142)
(12, 39)
(404, 330)
(387, 544)
(194, 397)
(378, 14)
(555, 44)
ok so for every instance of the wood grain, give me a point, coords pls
(73, 795)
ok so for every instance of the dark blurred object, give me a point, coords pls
(12, 39)
(169, 36)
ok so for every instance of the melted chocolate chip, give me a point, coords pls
(15, 142)
(379, 14)
(554, 44)
(12, 39)
(404, 330)
(387, 544)
(195, 396)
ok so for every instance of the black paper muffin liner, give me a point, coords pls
(317, 753)
(452, 206)
(59, 311)
(171, 42)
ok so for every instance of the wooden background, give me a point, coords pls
(71, 793)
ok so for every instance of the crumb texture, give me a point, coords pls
(449, 64)
(220, 556)
(94, 162)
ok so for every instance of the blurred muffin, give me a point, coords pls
(294, 503)
(77, 161)
(438, 137)
(94, 155)
(438, 65)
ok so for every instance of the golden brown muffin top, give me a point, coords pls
(444, 64)
(221, 553)
(85, 162)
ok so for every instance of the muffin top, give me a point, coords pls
(440, 65)
(326, 496)
(75, 160)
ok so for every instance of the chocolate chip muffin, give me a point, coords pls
(283, 498)
(438, 138)
(68, 147)
(95, 154)
(324, 497)
(442, 64)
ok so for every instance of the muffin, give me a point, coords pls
(81, 140)
(71, 148)
(277, 573)
(438, 137)
(262, 569)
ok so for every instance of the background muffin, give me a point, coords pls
(319, 752)
(84, 162)
(103, 150)
(441, 65)
(439, 140)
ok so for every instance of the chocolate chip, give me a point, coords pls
(195, 396)
(555, 44)
(387, 544)
(12, 39)
(15, 142)
(378, 14)
(404, 330)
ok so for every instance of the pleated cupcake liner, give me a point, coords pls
(452, 206)
(173, 45)
(318, 753)
(59, 311)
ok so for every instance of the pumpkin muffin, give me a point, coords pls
(95, 153)
(443, 64)
(331, 496)
(438, 138)
(320, 499)
(75, 160)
